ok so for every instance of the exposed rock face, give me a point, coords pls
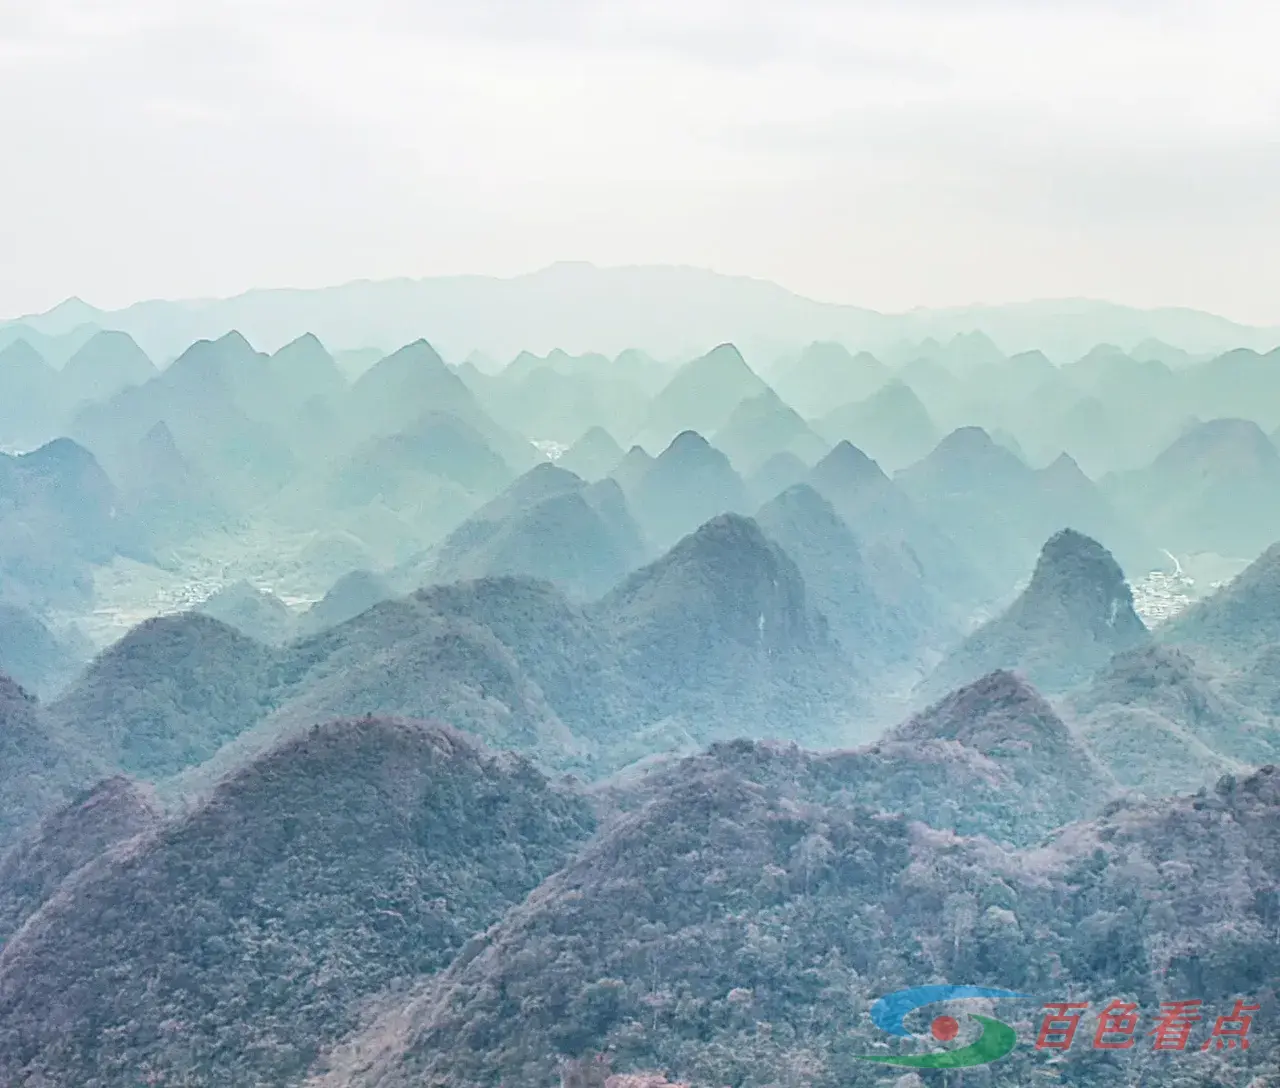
(1074, 614)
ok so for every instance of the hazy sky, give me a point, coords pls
(890, 153)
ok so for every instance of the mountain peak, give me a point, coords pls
(825, 375)
(765, 424)
(1067, 545)
(1224, 438)
(724, 355)
(73, 311)
(1007, 720)
(702, 394)
(593, 455)
(547, 477)
(1064, 472)
(402, 386)
(716, 540)
(727, 531)
(634, 463)
(847, 463)
(597, 437)
(685, 446)
(727, 577)
(1076, 612)
(544, 481)
(418, 352)
(966, 714)
(304, 349)
(109, 342)
(897, 393)
(892, 425)
(1064, 463)
(796, 499)
(969, 443)
(1033, 360)
(20, 355)
(61, 455)
(631, 470)
(1076, 567)
(688, 484)
(368, 848)
(236, 342)
(107, 362)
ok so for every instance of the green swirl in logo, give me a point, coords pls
(997, 1038)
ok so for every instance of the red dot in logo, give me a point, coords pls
(945, 1028)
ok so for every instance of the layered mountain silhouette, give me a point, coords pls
(1235, 384)
(771, 479)
(562, 396)
(700, 397)
(42, 765)
(826, 376)
(666, 310)
(237, 847)
(59, 514)
(1239, 620)
(30, 397)
(892, 426)
(169, 498)
(1163, 724)
(893, 527)
(689, 483)
(763, 426)
(32, 655)
(404, 385)
(552, 525)
(1075, 613)
(54, 347)
(437, 446)
(254, 612)
(1216, 488)
(717, 633)
(350, 595)
(990, 759)
(999, 510)
(875, 621)
(305, 368)
(631, 470)
(722, 626)
(593, 456)
(108, 362)
(220, 400)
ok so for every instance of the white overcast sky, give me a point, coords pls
(889, 153)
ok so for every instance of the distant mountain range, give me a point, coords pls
(373, 720)
(362, 897)
(669, 311)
